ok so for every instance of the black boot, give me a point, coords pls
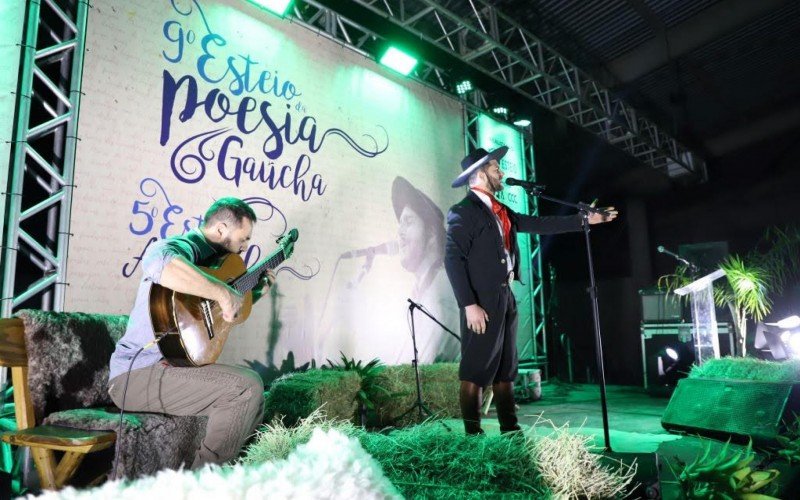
(506, 409)
(470, 399)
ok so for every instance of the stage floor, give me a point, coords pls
(634, 417)
(635, 432)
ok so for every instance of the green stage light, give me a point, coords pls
(500, 110)
(278, 7)
(524, 122)
(463, 87)
(398, 60)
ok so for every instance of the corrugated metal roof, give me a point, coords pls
(609, 27)
(749, 70)
(674, 12)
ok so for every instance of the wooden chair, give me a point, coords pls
(43, 440)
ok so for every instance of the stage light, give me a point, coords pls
(674, 363)
(794, 344)
(500, 110)
(789, 323)
(779, 340)
(278, 7)
(398, 60)
(463, 87)
(523, 122)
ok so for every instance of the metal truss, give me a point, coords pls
(501, 49)
(39, 197)
(533, 352)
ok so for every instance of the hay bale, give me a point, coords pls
(297, 396)
(432, 461)
(748, 369)
(439, 393)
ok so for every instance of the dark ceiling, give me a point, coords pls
(719, 75)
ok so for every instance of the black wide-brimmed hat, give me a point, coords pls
(406, 195)
(476, 160)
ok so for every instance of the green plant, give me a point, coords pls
(370, 386)
(724, 475)
(746, 293)
(790, 443)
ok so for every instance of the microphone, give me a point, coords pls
(677, 257)
(524, 184)
(388, 248)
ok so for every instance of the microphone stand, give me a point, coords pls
(423, 410)
(421, 308)
(585, 210)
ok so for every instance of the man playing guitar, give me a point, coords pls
(230, 396)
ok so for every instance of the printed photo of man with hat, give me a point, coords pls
(481, 260)
(421, 235)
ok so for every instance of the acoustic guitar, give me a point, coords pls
(190, 329)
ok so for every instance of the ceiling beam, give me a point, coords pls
(717, 20)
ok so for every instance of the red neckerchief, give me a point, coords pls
(500, 211)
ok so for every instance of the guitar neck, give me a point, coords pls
(249, 280)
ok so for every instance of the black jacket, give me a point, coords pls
(474, 255)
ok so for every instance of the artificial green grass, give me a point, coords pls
(423, 461)
(748, 369)
(298, 395)
(433, 460)
(429, 460)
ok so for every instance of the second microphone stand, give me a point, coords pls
(585, 210)
(418, 404)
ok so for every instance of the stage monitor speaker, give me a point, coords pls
(732, 408)
(660, 307)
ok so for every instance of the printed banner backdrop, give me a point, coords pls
(190, 101)
(493, 134)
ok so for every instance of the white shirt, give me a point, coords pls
(488, 202)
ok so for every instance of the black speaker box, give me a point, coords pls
(659, 307)
(738, 409)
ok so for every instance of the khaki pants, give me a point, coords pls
(230, 396)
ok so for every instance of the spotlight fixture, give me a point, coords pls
(500, 110)
(674, 363)
(789, 323)
(398, 60)
(278, 7)
(463, 87)
(522, 122)
(779, 340)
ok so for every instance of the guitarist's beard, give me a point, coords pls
(223, 248)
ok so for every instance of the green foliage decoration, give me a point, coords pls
(725, 476)
(370, 383)
(790, 443)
